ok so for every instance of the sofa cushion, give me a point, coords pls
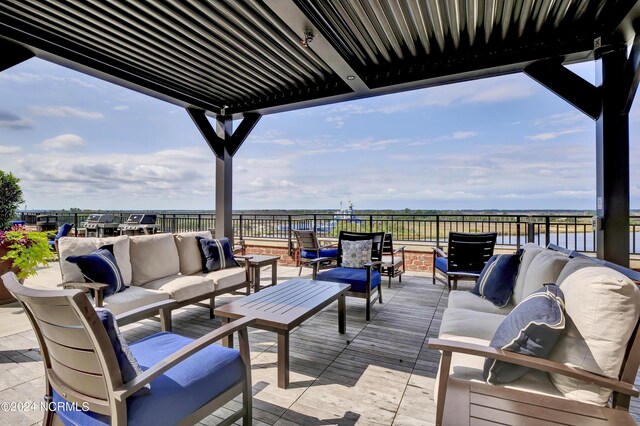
(497, 279)
(463, 322)
(355, 254)
(72, 246)
(602, 308)
(226, 278)
(544, 269)
(532, 328)
(216, 254)
(189, 251)
(177, 392)
(182, 287)
(127, 362)
(134, 297)
(153, 257)
(357, 277)
(324, 252)
(100, 266)
(530, 251)
(467, 300)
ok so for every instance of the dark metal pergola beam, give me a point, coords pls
(12, 54)
(632, 74)
(224, 143)
(568, 85)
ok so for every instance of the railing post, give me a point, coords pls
(289, 243)
(75, 223)
(517, 232)
(241, 228)
(315, 222)
(531, 232)
(199, 222)
(370, 223)
(547, 233)
(438, 231)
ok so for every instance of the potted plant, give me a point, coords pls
(22, 251)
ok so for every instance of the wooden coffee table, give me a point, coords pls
(282, 308)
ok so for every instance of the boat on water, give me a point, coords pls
(346, 214)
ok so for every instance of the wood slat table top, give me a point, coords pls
(262, 259)
(286, 305)
(473, 403)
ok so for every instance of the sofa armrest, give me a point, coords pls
(144, 312)
(542, 364)
(177, 357)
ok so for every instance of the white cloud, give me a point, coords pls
(553, 135)
(20, 77)
(120, 108)
(6, 150)
(463, 135)
(68, 140)
(65, 111)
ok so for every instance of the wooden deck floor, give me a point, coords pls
(378, 373)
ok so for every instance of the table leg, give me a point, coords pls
(342, 314)
(274, 273)
(227, 340)
(256, 279)
(283, 359)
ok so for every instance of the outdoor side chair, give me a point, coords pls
(466, 256)
(64, 230)
(392, 259)
(309, 248)
(364, 281)
(84, 360)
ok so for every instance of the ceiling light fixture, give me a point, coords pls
(308, 37)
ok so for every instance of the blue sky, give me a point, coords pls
(499, 143)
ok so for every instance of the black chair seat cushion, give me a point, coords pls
(178, 392)
(354, 276)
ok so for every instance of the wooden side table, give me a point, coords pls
(258, 261)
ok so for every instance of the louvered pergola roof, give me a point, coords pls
(238, 57)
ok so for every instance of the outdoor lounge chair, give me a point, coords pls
(64, 230)
(365, 281)
(84, 359)
(309, 248)
(465, 258)
(392, 259)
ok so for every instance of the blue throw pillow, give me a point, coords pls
(216, 254)
(498, 278)
(129, 367)
(100, 267)
(532, 328)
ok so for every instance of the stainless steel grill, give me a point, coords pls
(100, 225)
(138, 224)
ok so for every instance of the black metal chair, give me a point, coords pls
(465, 258)
(364, 281)
(392, 259)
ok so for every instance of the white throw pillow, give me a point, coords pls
(544, 269)
(602, 307)
(530, 252)
(356, 253)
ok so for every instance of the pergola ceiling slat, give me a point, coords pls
(247, 56)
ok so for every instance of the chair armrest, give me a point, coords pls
(438, 253)
(84, 286)
(321, 259)
(143, 312)
(398, 249)
(177, 357)
(372, 264)
(542, 364)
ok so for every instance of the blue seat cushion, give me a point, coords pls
(441, 264)
(357, 277)
(328, 252)
(178, 392)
